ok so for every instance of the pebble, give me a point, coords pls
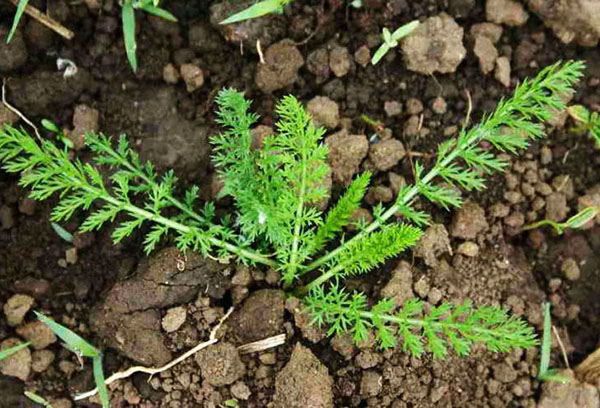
(16, 308)
(362, 56)
(339, 61)
(192, 76)
(499, 210)
(174, 319)
(41, 360)
(502, 72)
(387, 154)
(556, 207)
(240, 391)
(486, 52)
(39, 334)
(71, 256)
(17, 364)
(242, 276)
(545, 155)
(414, 106)
(324, 112)
(439, 106)
(434, 296)
(570, 269)
(508, 12)
(543, 188)
(170, 74)
(468, 248)
(422, 287)
(392, 108)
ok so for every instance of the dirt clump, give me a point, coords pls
(571, 20)
(386, 154)
(434, 242)
(16, 308)
(303, 382)
(346, 153)
(468, 221)
(39, 334)
(399, 287)
(259, 317)
(324, 112)
(508, 12)
(280, 70)
(17, 364)
(220, 364)
(435, 46)
(570, 394)
(14, 54)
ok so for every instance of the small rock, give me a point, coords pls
(7, 117)
(468, 221)
(499, 210)
(7, 218)
(17, 364)
(220, 364)
(434, 296)
(240, 391)
(502, 73)
(282, 61)
(486, 52)
(434, 242)
(504, 373)
(490, 30)
(422, 287)
(346, 153)
(570, 269)
(192, 76)
(339, 61)
(16, 308)
(268, 358)
(242, 276)
(174, 319)
(324, 112)
(569, 394)
(543, 188)
(387, 154)
(303, 382)
(41, 360)
(507, 12)
(85, 119)
(170, 74)
(317, 63)
(362, 56)
(469, 248)
(439, 106)
(371, 383)
(260, 316)
(39, 334)
(414, 106)
(545, 155)
(435, 46)
(399, 287)
(71, 256)
(556, 207)
(392, 108)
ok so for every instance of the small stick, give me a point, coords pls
(263, 344)
(155, 370)
(260, 53)
(46, 20)
(17, 112)
(562, 347)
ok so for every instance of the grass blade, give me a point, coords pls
(72, 339)
(17, 18)
(10, 351)
(128, 17)
(157, 11)
(256, 10)
(99, 379)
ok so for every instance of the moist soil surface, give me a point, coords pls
(148, 310)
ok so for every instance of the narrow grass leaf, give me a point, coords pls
(160, 12)
(128, 17)
(99, 379)
(10, 351)
(259, 9)
(72, 339)
(16, 19)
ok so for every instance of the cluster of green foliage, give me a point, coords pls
(277, 192)
(128, 8)
(75, 344)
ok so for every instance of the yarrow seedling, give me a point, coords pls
(390, 40)
(262, 8)
(277, 191)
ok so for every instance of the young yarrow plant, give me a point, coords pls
(277, 191)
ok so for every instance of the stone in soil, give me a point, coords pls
(240, 391)
(502, 72)
(486, 52)
(508, 12)
(435, 46)
(16, 307)
(468, 221)
(259, 317)
(346, 153)
(556, 207)
(570, 269)
(571, 20)
(303, 382)
(41, 360)
(17, 364)
(433, 243)
(280, 70)
(39, 334)
(324, 112)
(220, 364)
(192, 76)
(174, 319)
(399, 287)
(339, 61)
(386, 154)
(129, 318)
(85, 119)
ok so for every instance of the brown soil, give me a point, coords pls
(112, 294)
